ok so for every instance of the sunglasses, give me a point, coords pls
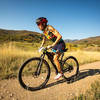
(39, 24)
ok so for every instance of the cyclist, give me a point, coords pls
(58, 45)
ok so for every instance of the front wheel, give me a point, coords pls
(34, 74)
(70, 67)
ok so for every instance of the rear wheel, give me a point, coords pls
(70, 67)
(34, 74)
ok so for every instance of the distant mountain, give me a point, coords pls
(19, 35)
(70, 41)
(90, 40)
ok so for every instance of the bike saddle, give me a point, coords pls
(65, 50)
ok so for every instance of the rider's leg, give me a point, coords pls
(56, 61)
(56, 57)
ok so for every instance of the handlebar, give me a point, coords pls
(43, 49)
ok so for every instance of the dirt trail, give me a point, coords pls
(55, 90)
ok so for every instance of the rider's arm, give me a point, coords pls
(43, 41)
(56, 33)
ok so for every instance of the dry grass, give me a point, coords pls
(12, 57)
(92, 94)
(85, 56)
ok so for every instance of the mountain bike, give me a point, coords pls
(35, 72)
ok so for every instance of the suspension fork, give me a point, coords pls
(38, 70)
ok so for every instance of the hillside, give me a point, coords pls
(88, 41)
(29, 36)
(19, 35)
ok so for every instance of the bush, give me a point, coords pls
(92, 94)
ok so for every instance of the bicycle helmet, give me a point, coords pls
(41, 20)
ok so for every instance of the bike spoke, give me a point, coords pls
(34, 74)
(70, 67)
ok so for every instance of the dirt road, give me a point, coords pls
(55, 90)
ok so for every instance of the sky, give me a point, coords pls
(74, 19)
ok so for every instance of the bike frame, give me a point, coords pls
(50, 57)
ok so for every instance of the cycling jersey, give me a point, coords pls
(51, 36)
(60, 46)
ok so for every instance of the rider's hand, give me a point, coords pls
(40, 49)
(50, 46)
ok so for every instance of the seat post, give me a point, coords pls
(62, 56)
